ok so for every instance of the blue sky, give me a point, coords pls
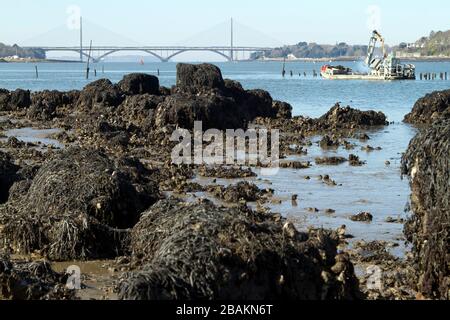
(171, 21)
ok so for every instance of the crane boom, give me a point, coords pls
(376, 36)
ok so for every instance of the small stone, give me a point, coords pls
(362, 217)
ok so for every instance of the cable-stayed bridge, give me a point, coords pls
(156, 51)
(164, 53)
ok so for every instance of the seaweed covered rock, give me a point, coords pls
(77, 206)
(282, 110)
(44, 104)
(14, 100)
(197, 251)
(198, 78)
(242, 191)
(8, 175)
(139, 83)
(138, 110)
(100, 93)
(31, 281)
(202, 95)
(215, 111)
(348, 117)
(254, 104)
(426, 163)
(427, 109)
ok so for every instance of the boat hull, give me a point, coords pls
(361, 77)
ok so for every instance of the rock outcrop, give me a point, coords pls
(14, 100)
(44, 104)
(201, 94)
(339, 117)
(197, 251)
(430, 108)
(426, 163)
(101, 93)
(77, 205)
(198, 78)
(8, 175)
(139, 83)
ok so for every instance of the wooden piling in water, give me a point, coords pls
(37, 72)
(446, 76)
(88, 60)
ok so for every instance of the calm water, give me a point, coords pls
(376, 188)
(309, 96)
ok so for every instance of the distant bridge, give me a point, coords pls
(156, 51)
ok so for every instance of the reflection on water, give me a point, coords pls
(36, 136)
(375, 187)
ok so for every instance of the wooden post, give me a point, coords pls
(37, 72)
(88, 61)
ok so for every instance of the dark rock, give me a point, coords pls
(45, 103)
(294, 165)
(432, 107)
(256, 103)
(362, 217)
(100, 93)
(4, 100)
(331, 161)
(328, 142)
(14, 100)
(348, 117)
(242, 191)
(226, 172)
(394, 220)
(426, 163)
(31, 281)
(215, 111)
(8, 175)
(282, 110)
(198, 78)
(20, 99)
(234, 89)
(138, 110)
(355, 161)
(197, 251)
(74, 205)
(202, 95)
(139, 83)
(163, 91)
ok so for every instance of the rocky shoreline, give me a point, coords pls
(112, 193)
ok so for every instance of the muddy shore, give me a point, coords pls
(87, 176)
